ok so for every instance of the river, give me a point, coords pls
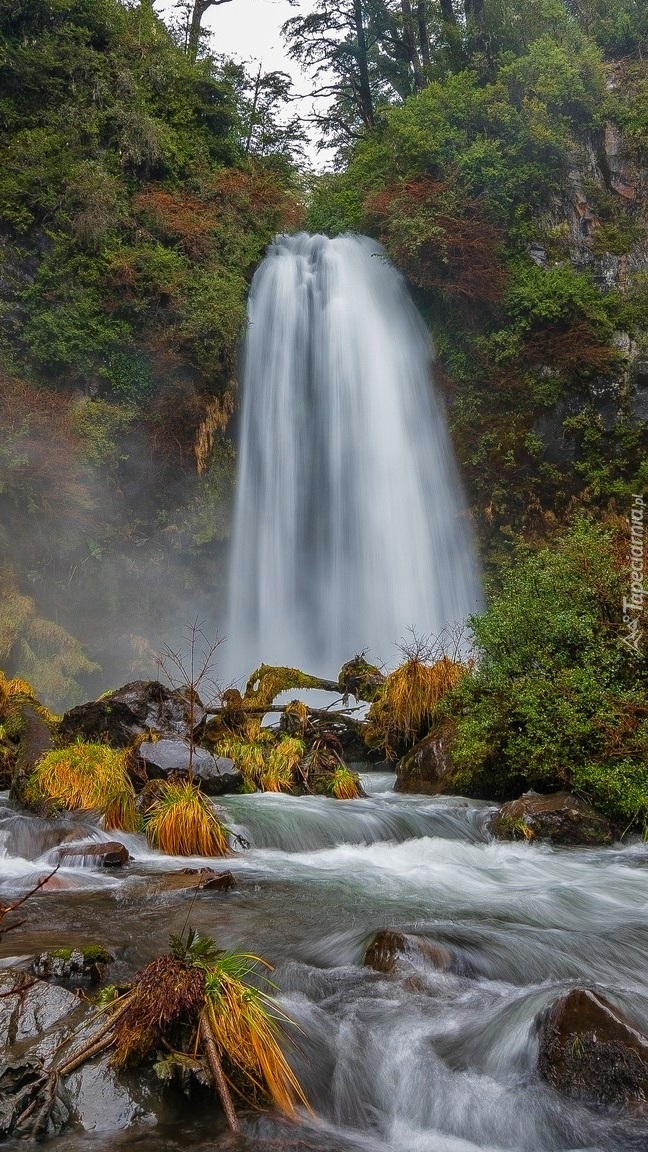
(423, 1061)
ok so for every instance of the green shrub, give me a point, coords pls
(555, 700)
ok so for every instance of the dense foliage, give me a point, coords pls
(556, 698)
(138, 189)
(508, 191)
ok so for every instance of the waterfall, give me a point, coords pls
(350, 526)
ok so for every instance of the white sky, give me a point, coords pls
(250, 30)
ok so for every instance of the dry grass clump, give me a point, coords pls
(246, 1025)
(196, 1004)
(11, 688)
(182, 822)
(266, 763)
(86, 777)
(14, 692)
(169, 993)
(283, 759)
(405, 711)
(345, 785)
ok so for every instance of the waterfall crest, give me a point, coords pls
(349, 522)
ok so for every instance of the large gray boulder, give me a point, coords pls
(214, 774)
(135, 710)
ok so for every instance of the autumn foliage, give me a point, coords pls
(440, 241)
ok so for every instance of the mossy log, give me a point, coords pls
(269, 681)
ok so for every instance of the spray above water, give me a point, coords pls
(350, 526)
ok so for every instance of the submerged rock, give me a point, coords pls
(391, 951)
(427, 767)
(559, 817)
(590, 1051)
(214, 774)
(102, 854)
(139, 708)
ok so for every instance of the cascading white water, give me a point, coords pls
(349, 525)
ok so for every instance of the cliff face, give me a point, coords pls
(599, 224)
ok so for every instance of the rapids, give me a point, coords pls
(349, 523)
(434, 1063)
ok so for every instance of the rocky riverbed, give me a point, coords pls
(440, 1048)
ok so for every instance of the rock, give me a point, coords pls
(559, 817)
(590, 1051)
(139, 708)
(31, 836)
(102, 854)
(217, 881)
(73, 966)
(391, 951)
(37, 1021)
(214, 774)
(427, 767)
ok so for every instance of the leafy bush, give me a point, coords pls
(555, 700)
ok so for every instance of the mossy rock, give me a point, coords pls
(558, 817)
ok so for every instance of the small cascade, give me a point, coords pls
(350, 526)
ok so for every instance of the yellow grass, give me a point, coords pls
(86, 777)
(283, 758)
(405, 710)
(345, 785)
(248, 756)
(246, 1032)
(182, 822)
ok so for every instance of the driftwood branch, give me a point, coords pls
(318, 713)
(218, 1075)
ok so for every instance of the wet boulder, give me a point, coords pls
(427, 767)
(101, 854)
(558, 817)
(217, 882)
(40, 1025)
(393, 952)
(590, 1051)
(32, 836)
(214, 774)
(130, 712)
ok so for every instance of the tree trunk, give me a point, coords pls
(364, 97)
(447, 13)
(253, 112)
(474, 10)
(423, 34)
(409, 40)
(197, 13)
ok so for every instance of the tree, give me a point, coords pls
(263, 128)
(188, 27)
(334, 42)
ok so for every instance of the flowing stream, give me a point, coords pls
(423, 1061)
(349, 523)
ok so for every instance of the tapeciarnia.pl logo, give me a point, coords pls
(633, 604)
